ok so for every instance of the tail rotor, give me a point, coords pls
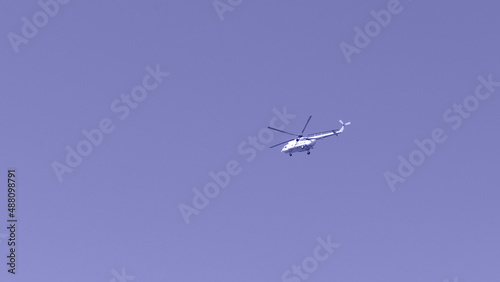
(344, 124)
(342, 128)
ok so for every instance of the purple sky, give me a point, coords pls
(228, 75)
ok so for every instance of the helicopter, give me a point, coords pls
(303, 143)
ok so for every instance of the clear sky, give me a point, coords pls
(115, 113)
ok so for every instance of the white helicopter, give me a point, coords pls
(305, 143)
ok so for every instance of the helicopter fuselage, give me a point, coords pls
(303, 144)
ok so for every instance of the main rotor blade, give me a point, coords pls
(282, 131)
(306, 125)
(282, 143)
